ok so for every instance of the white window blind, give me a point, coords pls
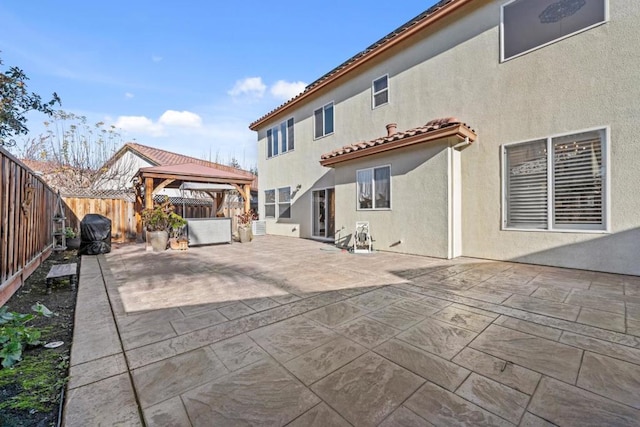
(577, 170)
(526, 166)
(556, 183)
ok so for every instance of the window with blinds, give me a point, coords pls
(527, 181)
(578, 196)
(556, 183)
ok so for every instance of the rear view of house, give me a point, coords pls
(485, 128)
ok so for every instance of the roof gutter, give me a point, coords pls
(407, 33)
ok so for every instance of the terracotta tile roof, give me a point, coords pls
(435, 129)
(165, 158)
(426, 18)
(195, 170)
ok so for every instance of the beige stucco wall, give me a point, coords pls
(417, 222)
(122, 171)
(582, 82)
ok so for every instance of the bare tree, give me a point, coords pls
(77, 155)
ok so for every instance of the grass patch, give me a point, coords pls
(39, 377)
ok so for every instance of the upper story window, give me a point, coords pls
(280, 138)
(380, 91)
(323, 118)
(374, 188)
(556, 183)
(531, 24)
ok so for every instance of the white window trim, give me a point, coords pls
(278, 202)
(358, 208)
(606, 211)
(280, 153)
(374, 93)
(275, 204)
(320, 238)
(503, 59)
(323, 118)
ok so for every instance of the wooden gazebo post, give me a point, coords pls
(247, 198)
(148, 193)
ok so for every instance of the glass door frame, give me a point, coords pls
(327, 215)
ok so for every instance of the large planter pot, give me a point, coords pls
(73, 243)
(245, 235)
(158, 240)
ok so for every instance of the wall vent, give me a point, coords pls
(259, 228)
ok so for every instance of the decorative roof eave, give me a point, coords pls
(407, 31)
(460, 131)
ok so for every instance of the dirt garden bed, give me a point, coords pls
(30, 392)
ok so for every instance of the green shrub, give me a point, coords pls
(15, 335)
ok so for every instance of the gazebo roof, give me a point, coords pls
(194, 172)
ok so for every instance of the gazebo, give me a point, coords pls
(155, 178)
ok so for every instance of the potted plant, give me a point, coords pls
(245, 221)
(156, 222)
(177, 239)
(72, 238)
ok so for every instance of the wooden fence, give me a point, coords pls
(26, 210)
(122, 214)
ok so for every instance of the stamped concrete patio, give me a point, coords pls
(293, 332)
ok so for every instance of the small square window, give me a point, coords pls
(374, 188)
(380, 91)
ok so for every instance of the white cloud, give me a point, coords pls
(287, 90)
(251, 86)
(169, 119)
(156, 58)
(139, 124)
(128, 95)
(180, 119)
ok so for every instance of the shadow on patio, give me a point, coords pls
(293, 331)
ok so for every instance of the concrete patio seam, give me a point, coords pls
(101, 261)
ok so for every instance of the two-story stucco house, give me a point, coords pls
(498, 129)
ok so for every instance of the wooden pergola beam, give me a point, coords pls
(245, 192)
(163, 184)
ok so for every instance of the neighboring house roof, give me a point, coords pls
(434, 130)
(196, 170)
(417, 24)
(63, 178)
(160, 157)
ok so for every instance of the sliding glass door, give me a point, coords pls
(324, 213)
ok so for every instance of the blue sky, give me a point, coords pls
(186, 76)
